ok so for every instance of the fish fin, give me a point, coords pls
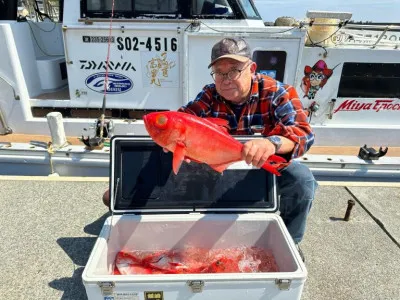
(270, 164)
(222, 123)
(221, 167)
(270, 168)
(224, 129)
(194, 160)
(179, 156)
(276, 159)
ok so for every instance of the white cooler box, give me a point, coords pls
(153, 209)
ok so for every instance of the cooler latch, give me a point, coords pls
(107, 288)
(283, 284)
(196, 285)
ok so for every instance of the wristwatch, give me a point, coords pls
(276, 141)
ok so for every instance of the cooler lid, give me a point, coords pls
(142, 181)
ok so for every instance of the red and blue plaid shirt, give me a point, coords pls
(273, 105)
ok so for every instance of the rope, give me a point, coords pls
(41, 29)
(233, 31)
(51, 150)
(37, 43)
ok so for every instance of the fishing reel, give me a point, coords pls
(314, 107)
(369, 153)
(103, 129)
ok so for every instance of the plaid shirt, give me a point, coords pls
(272, 104)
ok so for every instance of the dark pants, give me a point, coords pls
(296, 188)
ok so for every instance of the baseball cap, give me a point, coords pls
(235, 48)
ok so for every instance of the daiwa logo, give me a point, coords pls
(117, 83)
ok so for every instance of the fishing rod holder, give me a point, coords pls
(369, 153)
(103, 129)
(331, 108)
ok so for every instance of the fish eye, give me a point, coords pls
(161, 120)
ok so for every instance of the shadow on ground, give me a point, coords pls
(72, 286)
(336, 219)
(95, 227)
(78, 250)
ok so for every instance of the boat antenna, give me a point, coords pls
(98, 140)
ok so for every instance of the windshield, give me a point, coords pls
(249, 9)
(213, 7)
(207, 9)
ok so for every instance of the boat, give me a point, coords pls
(56, 116)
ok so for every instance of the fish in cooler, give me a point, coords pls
(193, 260)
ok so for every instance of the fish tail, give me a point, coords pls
(268, 167)
(276, 159)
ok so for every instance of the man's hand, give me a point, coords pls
(256, 152)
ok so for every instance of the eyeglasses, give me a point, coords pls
(314, 76)
(231, 75)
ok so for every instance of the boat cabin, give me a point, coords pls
(158, 52)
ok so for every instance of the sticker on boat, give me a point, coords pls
(117, 83)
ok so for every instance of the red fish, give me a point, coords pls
(193, 260)
(127, 263)
(223, 265)
(159, 262)
(204, 140)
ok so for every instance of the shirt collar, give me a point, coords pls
(254, 88)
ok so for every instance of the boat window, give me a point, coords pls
(211, 7)
(249, 9)
(156, 6)
(105, 5)
(370, 80)
(129, 8)
(270, 63)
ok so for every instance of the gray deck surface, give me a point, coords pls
(48, 229)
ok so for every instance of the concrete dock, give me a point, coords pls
(49, 226)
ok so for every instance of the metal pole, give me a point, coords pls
(350, 205)
(4, 129)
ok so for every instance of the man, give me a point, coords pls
(249, 100)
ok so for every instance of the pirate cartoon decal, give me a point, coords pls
(315, 78)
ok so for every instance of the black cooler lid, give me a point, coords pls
(142, 181)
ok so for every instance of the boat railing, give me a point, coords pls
(371, 35)
(4, 128)
(374, 27)
(356, 26)
(16, 97)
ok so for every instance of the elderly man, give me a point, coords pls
(249, 100)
